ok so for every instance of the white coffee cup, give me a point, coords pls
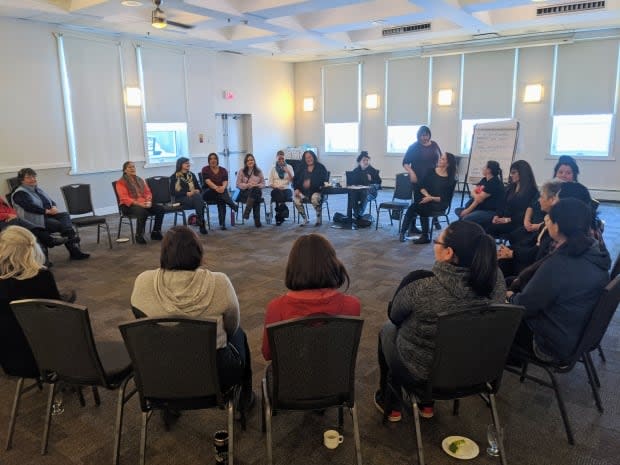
(332, 438)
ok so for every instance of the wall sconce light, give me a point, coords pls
(372, 101)
(533, 93)
(309, 104)
(444, 97)
(133, 97)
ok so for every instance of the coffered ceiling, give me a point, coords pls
(302, 30)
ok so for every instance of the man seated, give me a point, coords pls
(32, 204)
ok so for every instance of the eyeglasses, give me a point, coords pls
(436, 242)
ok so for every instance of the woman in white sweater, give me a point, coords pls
(181, 285)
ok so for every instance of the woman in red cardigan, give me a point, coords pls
(313, 276)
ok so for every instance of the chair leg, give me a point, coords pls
(145, 420)
(601, 353)
(107, 228)
(48, 418)
(16, 399)
(500, 439)
(377, 220)
(597, 381)
(356, 436)
(267, 420)
(418, 432)
(558, 395)
(340, 420)
(120, 223)
(118, 425)
(593, 380)
(231, 437)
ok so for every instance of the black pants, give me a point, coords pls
(195, 202)
(42, 234)
(280, 197)
(234, 365)
(252, 197)
(222, 200)
(141, 214)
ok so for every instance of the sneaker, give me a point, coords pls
(156, 236)
(140, 239)
(79, 255)
(304, 222)
(223, 227)
(427, 412)
(394, 416)
(423, 239)
(401, 236)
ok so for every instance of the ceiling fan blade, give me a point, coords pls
(181, 25)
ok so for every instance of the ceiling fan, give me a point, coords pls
(159, 21)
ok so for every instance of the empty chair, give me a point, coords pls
(79, 202)
(174, 359)
(65, 350)
(591, 338)
(400, 200)
(160, 188)
(471, 348)
(320, 374)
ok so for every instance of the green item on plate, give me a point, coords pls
(454, 445)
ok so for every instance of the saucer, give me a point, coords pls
(465, 451)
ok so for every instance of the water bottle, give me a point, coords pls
(220, 444)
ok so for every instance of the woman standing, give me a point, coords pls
(465, 274)
(215, 179)
(185, 187)
(313, 276)
(437, 189)
(22, 276)
(250, 181)
(136, 199)
(280, 180)
(182, 285)
(309, 180)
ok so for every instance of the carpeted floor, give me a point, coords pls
(255, 259)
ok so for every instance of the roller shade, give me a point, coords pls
(407, 91)
(341, 93)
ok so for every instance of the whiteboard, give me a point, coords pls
(492, 141)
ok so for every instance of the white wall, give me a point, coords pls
(535, 65)
(32, 121)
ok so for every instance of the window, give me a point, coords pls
(166, 141)
(341, 137)
(467, 131)
(581, 135)
(399, 138)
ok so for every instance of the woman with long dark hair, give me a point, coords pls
(465, 274)
(567, 283)
(313, 276)
(250, 182)
(310, 178)
(185, 187)
(436, 189)
(486, 197)
(215, 184)
(566, 169)
(136, 199)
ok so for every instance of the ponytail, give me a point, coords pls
(483, 268)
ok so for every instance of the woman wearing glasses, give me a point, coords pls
(465, 274)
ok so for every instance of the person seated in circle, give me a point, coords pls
(215, 179)
(364, 174)
(280, 179)
(182, 285)
(486, 197)
(436, 189)
(250, 182)
(566, 169)
(33, 205)
(185, 188)
(136, 200)
(313, 276)
(310, 178)
(465, 274)
(565, 286)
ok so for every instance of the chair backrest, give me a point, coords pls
(349, 178)
(118, 199)
(61, 339)
(600, 318)
(160, 188)
(174, 359)
(313, 361)
(78, 199)
(404, 188)
(615, 270)
(471, 347)
(16, 357)
(13, 183)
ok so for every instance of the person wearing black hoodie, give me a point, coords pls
(561, 294)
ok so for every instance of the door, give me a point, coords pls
(234, 140)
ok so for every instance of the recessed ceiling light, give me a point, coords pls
(131, 3)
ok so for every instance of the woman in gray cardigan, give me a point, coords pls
(465, 274)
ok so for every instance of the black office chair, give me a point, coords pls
(471, 348)
(65, 350)
(175, 366)
(160, 189)
(123, 218)
(79, 202)
(13, 184)
(318, 374)
(401, 199)
(590, 340)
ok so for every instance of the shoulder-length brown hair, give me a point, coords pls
(312, 264)
(181, 250)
